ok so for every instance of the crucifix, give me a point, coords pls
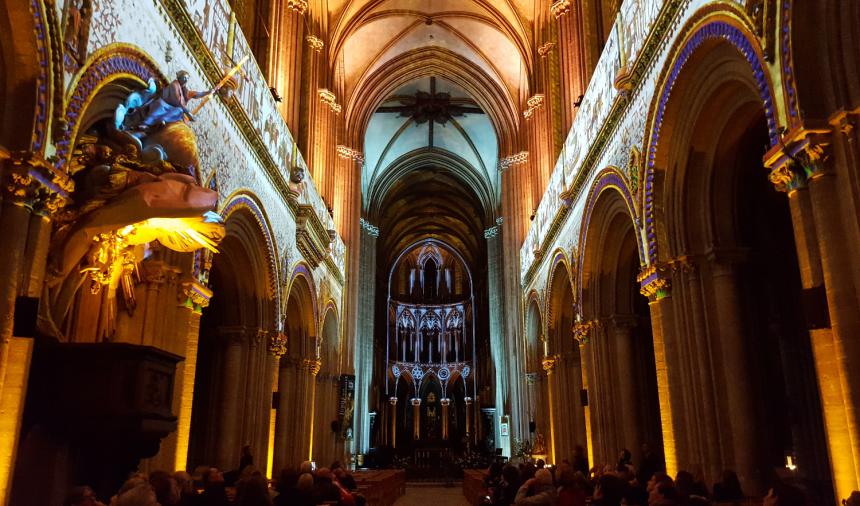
(432, 107)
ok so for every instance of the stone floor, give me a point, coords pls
(432, 496)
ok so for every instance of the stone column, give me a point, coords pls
(416, 419)
(497, 327)
(548, 364)
(805, 168)
(445, 403)
(655, 285)
(286, 422)
(309, 382)
(393, 410)
(582, 331)
(230, 408)
(276, 347)
(364, 337)
(620, 332)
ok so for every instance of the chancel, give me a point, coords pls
(378, 252)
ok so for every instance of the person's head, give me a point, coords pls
(253, 491)
(624, 456)
(495, 470)
(664, 491)
(684, 483)
(540, 464)
(80, 496)
(511, 475)
(731, 482)
(335, 465)
(287, 479)
(212, 477)
(306, 482)
(184, 482)
(323, 474)
(543, 477)
(564, 475)
(783, 494)
(527, 472)
(657, 479)
(182, 76)
(165, 487)
(853, 499)
(246, 451)
(140, 495)
(306, 467)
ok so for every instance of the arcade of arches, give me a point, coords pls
(429, 235)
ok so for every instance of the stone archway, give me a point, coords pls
(565, 366)
(539, 415)
(232, 394)
(733, 326)
(622, 392)
(328, 434)
(297, 374)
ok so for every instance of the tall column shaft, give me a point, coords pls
(230, 409)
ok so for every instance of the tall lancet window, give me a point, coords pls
(431, 281)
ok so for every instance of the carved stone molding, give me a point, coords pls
(545, 49)
(534, 103)
(299, 6)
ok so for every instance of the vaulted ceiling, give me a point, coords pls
(431, 91)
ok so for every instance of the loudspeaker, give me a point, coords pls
(26, 311)
(532, 427)
(815, 309)
(276, 400)
(583, 397)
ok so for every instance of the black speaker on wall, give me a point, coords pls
(532, 426)
(583, 396)
(26, 311)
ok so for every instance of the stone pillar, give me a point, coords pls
(805, 167)
(620, 333)
(230, 408)
(655, 285)
(548, 364)
(287, 418)
(468, 401)
(582, 334)
(308, 404)
(393, 410)
(416, 419)
(497, 328)
(445, 403)
(740, 406)
(364, 337)
(276, 347)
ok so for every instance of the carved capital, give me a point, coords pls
(312, 365)
(392, 401)
(29, 180)
(582, 331)
(548, 363)
(531, 378)
(315, 43)
(445, 401)
(416, 401)
(560, 8)
(534, 103)
(371, 229)
(512, 160)
(468, 400)
(803, 154)
(545, 49)
(350, 154)
(328, 98)
(299, 6)
(277, 344)
(654, 282)
(195, 295)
